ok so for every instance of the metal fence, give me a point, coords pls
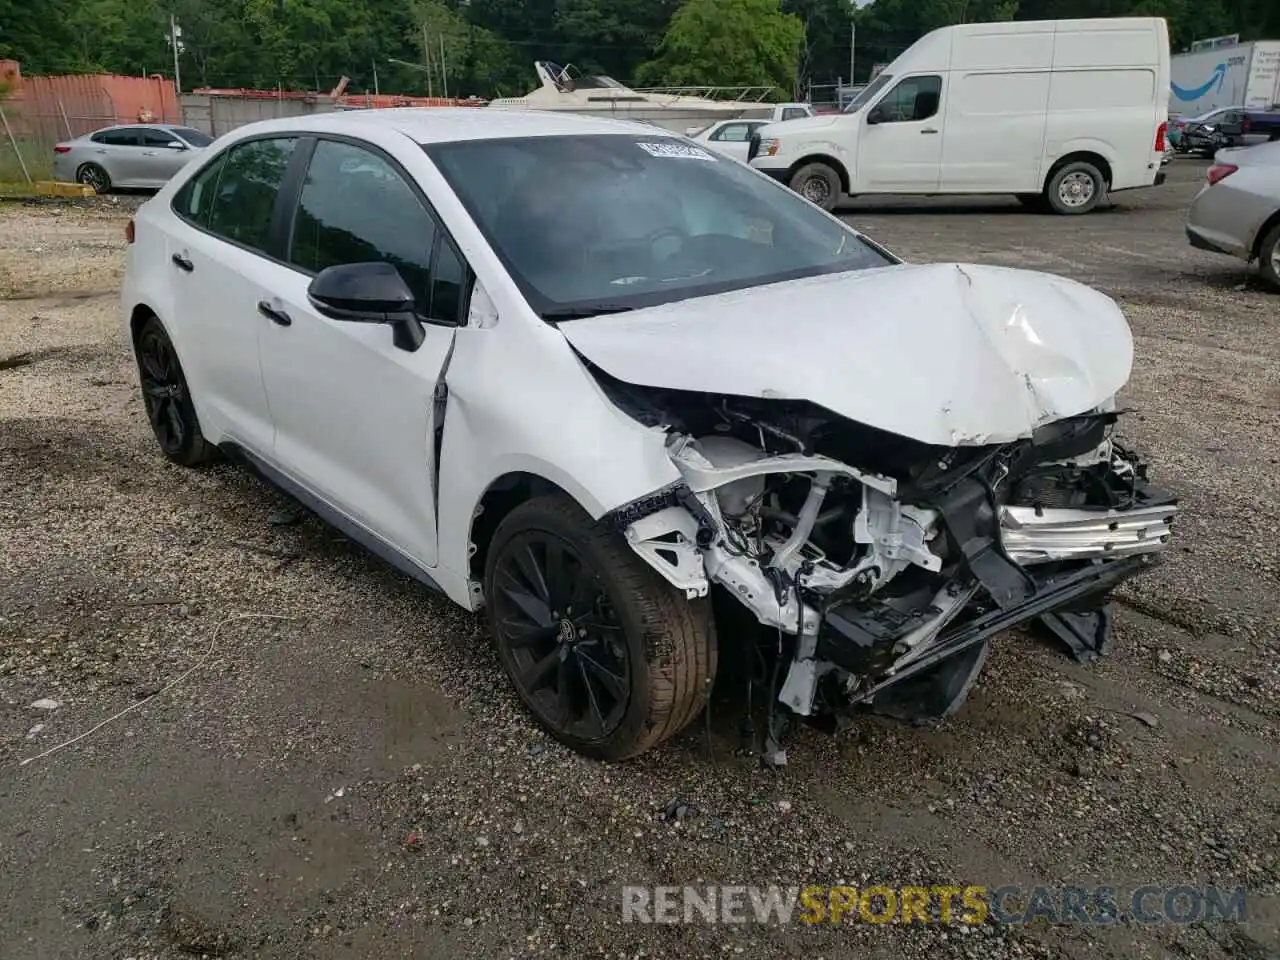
(38, 112)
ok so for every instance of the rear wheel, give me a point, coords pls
(1269, 258)
(818, 184)
(168, 400)
(606, 655)
(94, 176)
(1076, 187)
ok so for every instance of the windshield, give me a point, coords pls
(868, 93)
(192, 136)
(598, 224)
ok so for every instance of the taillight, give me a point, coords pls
(1244, 124)
(128, 231)
(1220, 171)
(61, 149)
(1160, 130)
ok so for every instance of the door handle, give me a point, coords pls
(928, 130)
(182, 263)
(274, 315)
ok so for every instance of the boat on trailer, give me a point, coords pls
(672, 108)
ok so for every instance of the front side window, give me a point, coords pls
(157, 138)
(242, 207)
(733, 133)
(356, 208)
(193, 137)
(915, 98)
(605, 223)
(117, 138)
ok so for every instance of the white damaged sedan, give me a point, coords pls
(653, 413)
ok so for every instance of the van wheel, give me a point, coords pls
(1076, 187)
(818, 184)
(1269, 258)
(609, 657)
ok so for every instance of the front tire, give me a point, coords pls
(607, 655)
(1075, 188)
(94, 176)
(168, 399)
(818, 184)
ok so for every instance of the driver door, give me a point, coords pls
(900, 145)
(163, 155)
(354, 414)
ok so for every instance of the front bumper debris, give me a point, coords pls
(1054, 593)
(1038, 534)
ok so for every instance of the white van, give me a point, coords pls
(1058, 112)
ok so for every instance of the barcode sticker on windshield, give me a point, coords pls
(677, 151)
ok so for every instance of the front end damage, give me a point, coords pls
(885, 565)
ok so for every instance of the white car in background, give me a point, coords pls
(581, 373)
(729, 137)
(733, 137)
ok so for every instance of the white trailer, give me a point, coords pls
(1245, 74)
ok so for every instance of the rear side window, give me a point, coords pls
(794, 113)
(356, 208)
(243, 203)
(194, 199)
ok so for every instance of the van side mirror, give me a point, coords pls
(876, 115)
(368, 293)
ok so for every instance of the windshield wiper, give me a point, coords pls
(582, 313)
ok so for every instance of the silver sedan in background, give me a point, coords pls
(136, 155)
(1238, 211)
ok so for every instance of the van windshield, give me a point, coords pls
(868, 93)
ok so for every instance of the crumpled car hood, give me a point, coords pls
(951, 354)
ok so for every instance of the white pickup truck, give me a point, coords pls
(732, 137)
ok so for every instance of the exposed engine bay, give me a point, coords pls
(887, 564)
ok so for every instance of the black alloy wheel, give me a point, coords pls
(562, 636)
(167, 399)
(607, 655)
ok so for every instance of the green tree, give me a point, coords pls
(713, 43)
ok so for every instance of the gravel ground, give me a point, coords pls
(354, 778)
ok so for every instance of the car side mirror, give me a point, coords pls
(176, 145)
(368, 293)
(876, 115)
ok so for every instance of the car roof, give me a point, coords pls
(426, 125)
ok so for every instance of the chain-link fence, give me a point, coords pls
(39, 112)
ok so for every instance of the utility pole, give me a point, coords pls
(444, 79)
(426, 55)
(173, 41)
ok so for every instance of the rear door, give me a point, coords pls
(354, 413)
(224, 260)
